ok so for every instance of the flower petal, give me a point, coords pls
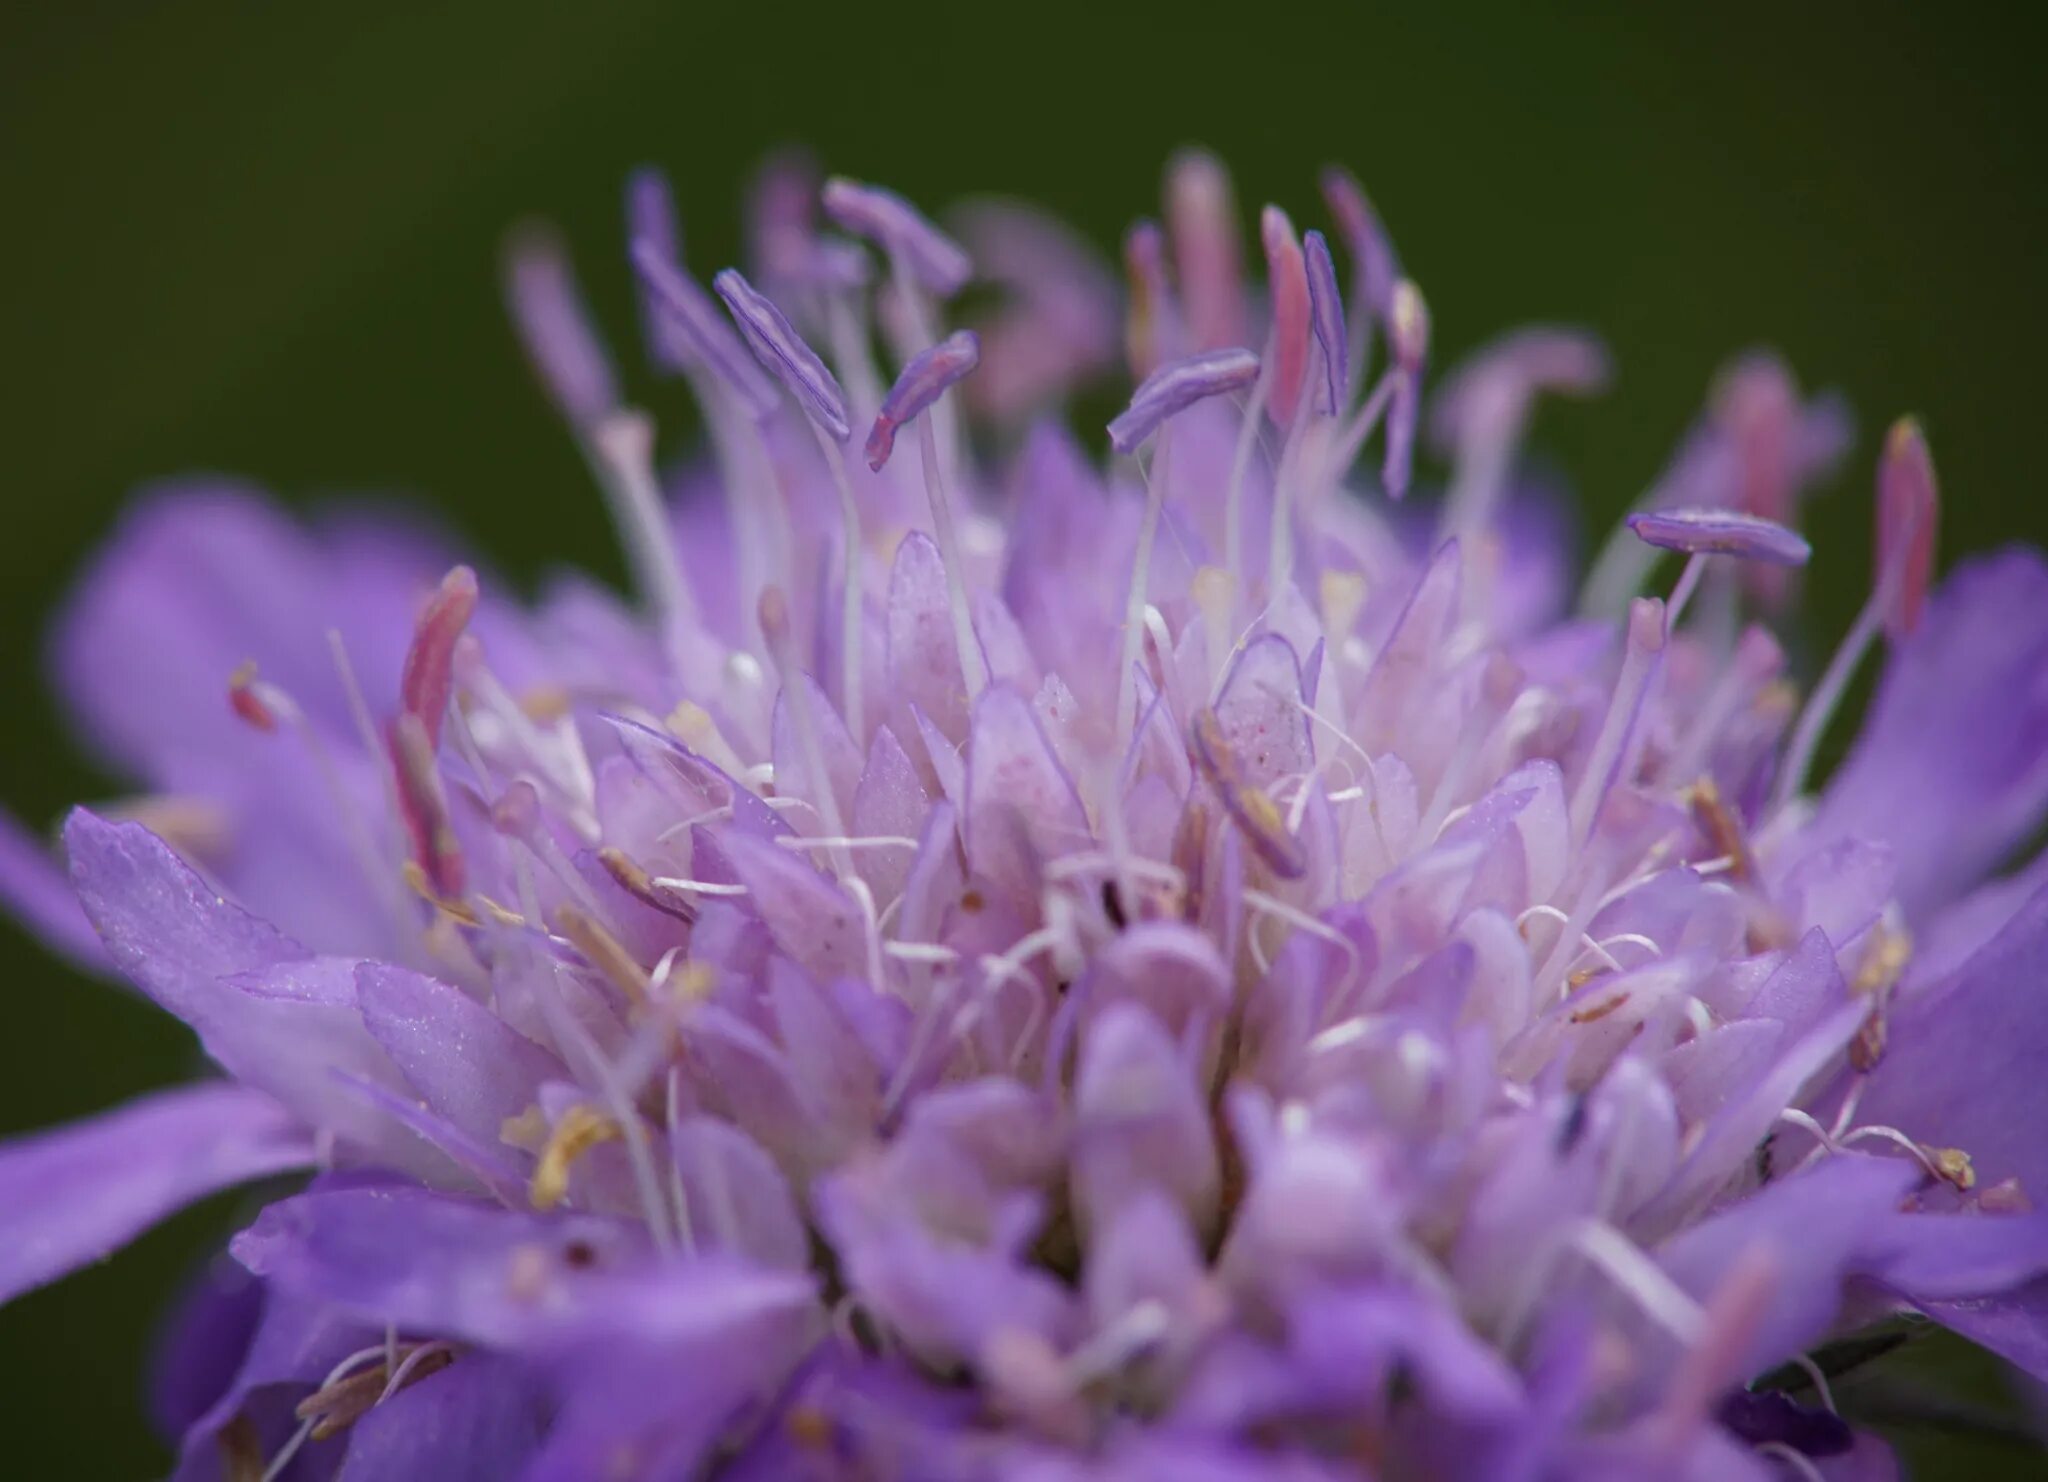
(461, 1269)
(1951, 769)
(1963, 1058)
(467, 1064)
(477, 1420)
(74, 1195)
(33, 888)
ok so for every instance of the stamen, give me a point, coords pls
(1201, 217)
(1643, 648)
(624, 447)
(541, 293)
(1642, 1279)
(1908, 514)
(428, 678)
(416, 881)
(1118, 1344)
(695, 887)
(1175, 387)
(923, 381)
(695, 327)
(1756, 661)
(1721, 532)
(782, 351)
(423, 807)
(1300, 920)
(334, 1407)
(1326, 316)
(774, 617)
(1408, 335)
(637, 883)
(1256, 815)
(1150, 332)
(603, 951)
(1482, 410)
(249, 699)
(870, 841)
(939, 264)
(651, 218)
(927, 376)
(579, 1130)
(1375, 268)
(1288, 339)
(1283, 370)
(1723, 830)
(1125, 719)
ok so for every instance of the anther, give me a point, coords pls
(1375, 267)
(695, 330)
(1175, 387)
(1201, 217)
(1151, 334)
(247, 697)
(1326, 318)
(578, 1131)
(1288, 287)
(428, 678)
(783, 353)
(1256, 815)
(1408, 336)
(1908, 513)
(935, 261)
(541, 293)
(603, 951)
(636, 882)
(423, 807)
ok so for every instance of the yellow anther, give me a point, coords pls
(1953, 1164)
(1343, 598)
(579, 1130)
(602, 951)
(1884, 960)
(503, 915)
(1722, 829)
(546, 703)
(416, 880)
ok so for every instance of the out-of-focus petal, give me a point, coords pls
(75, 1195)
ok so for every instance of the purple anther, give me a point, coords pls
(697, 327)
(1178, 385)
(651, 212)
(1408, 337)
(938, 263)
(1151, 331)
(1721, 532)
(549, 313)
(783, 351)
(927, 376)
(1326, 318)
(1372, 252)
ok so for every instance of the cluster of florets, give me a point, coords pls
(1207, 969)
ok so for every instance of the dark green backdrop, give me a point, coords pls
(260, 238)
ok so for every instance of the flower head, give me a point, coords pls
(1017, 968)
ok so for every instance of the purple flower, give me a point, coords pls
(994, 972)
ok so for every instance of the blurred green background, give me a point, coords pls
(261, 239)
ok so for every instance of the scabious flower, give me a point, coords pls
(1001, 967)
